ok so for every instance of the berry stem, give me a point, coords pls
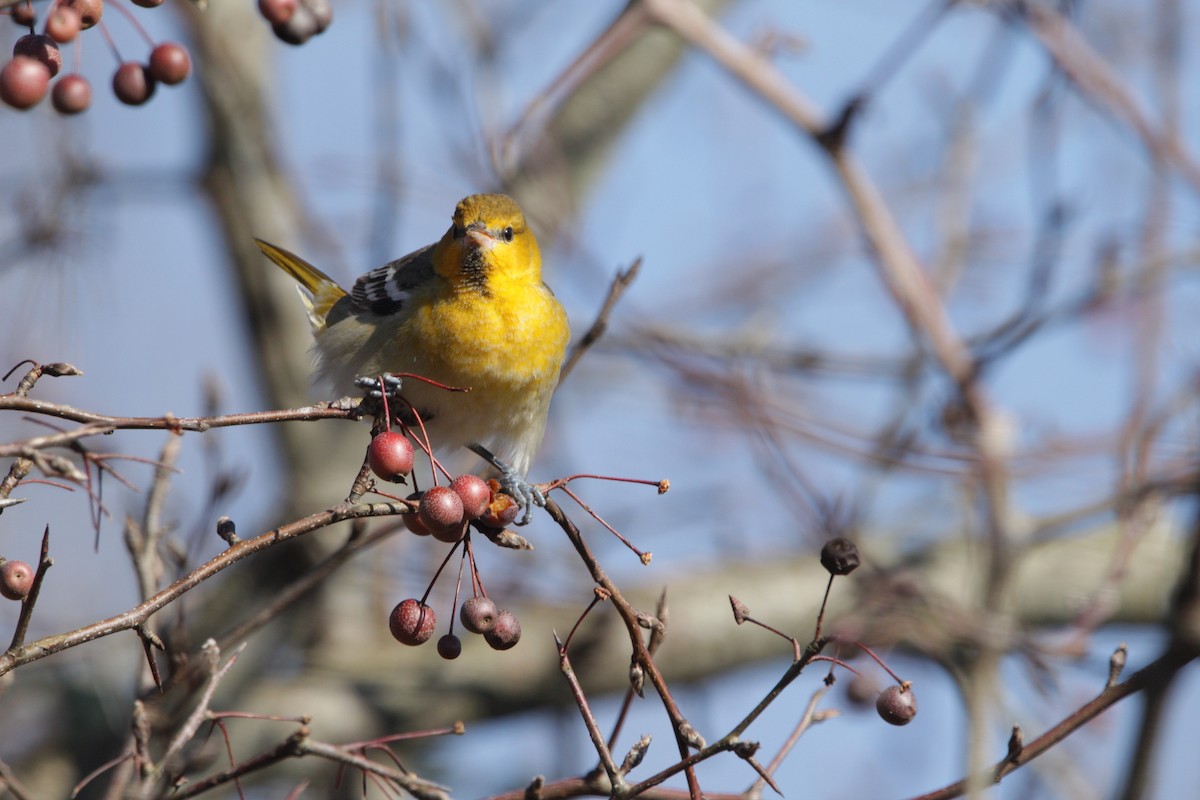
(645, 557)
(821, 612)
(111, 43)
(880, 662)
(433, 580)
(476, 579)
(387, 414)
(129, 15)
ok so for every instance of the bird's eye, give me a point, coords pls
(508, 234)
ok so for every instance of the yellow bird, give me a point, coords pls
(471, 311)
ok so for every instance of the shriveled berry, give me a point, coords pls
(897, 705)
(412, 622)
(390, 455)
(839, 556)
(148, 3)
(63, 24)
(474, 493)
(89, 11)
(412, 521)
(449, 647)
(72, 94)
(41, 47)
(501, 511)
(23, 82)
(24, 15)
(505, 633)
(277, 12)
(16, 579)
(442, 513)
(170, 63)
(478, 614)
(133, 84)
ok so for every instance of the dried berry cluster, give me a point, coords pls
(446, 513)
(36, 60)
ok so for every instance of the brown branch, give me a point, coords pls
(1099, 84)
(1155, 673)
(345, 408)
(44, 563)
(136, 616)
(620, 282)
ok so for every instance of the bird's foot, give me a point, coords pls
(514, 484)
(378, 386)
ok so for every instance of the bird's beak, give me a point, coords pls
(479, 238)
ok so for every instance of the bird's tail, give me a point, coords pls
(318, 291)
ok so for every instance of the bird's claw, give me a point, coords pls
(371, 385)
(525, 493)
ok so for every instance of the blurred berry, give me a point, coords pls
(132, 84)
(24, 15)
(23, 82)
(72, 94)
(170, 63)
(277, 12)
(40, 47)
(63, 24)
(90, 11)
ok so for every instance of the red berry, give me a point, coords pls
(442, 513)
(72, 94)
(133, 84)
(390, 455)
(23, 82)
(897, 705)
(505, 633)
(277, 12)
(449, 647)
(170, 63)
(63, 24)
(89, 11)
(41, 47)
(478, 614)
(16, 579)
(474, 493)
(501, 511)
(412, 622)
(24, 15)
(413, 521)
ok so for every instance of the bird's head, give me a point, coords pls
(489, 240)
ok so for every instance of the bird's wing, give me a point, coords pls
(385, 289)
